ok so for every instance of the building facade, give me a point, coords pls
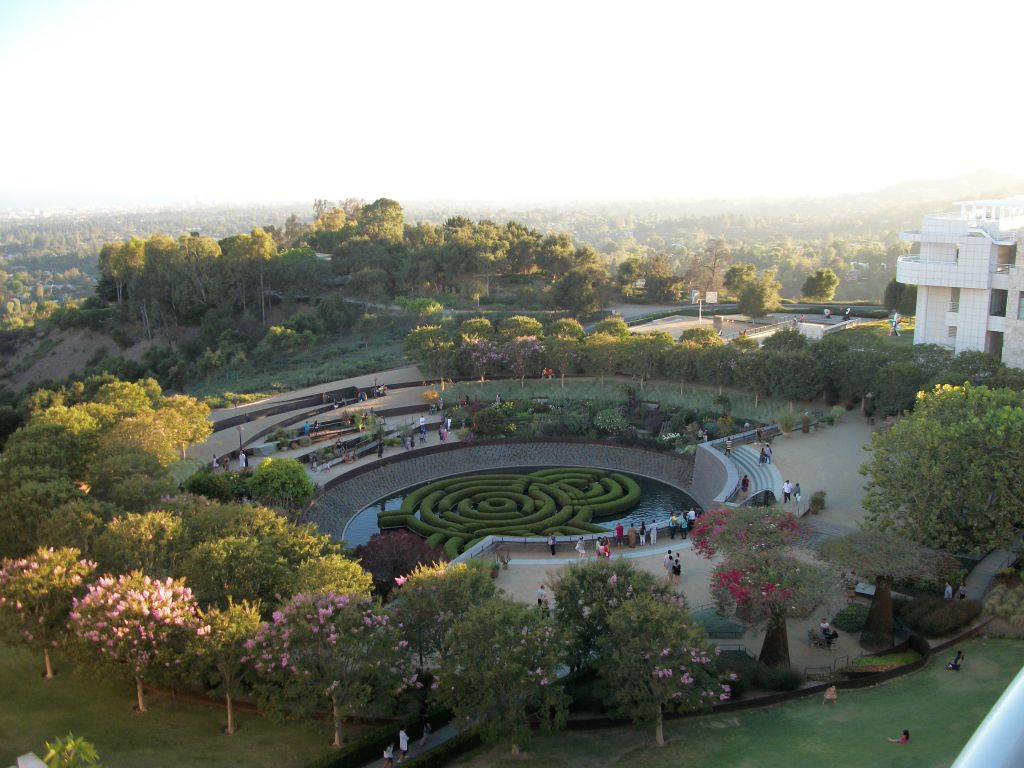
(969, 271)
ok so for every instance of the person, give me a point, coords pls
(673, 523)
(684, 525)
(305, 428)
(666, 563)
(497, 399)
(745, 486)
(216, 463)
(759, 433)
(631, 535)
(423, 421)
(426, 728)
(389, 756)
(903, 739)
(828, 313)
(961, 593)
(768, 454)
(643, 534)
(825, 627)
(846, 314)
(619, 531)
(380, 448)
(691, 517)
(542, 596)
(796, 492)
(763, 457)
(316, 424)
(552, 541)
(654, 532)
(787, 492)
(423, 434)
(831, 695)
(243, 460)
(403, 745)
(677, 570)
(957, 662)
(947, 593)
(728, 446)
(581, 549)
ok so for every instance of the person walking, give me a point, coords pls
(728, 446)
(763, 456)
(684, 526)
(403, 745)
(745, 486)
(389, 756)
(796, 492)
(666, 563)
(787, 492)
(426, 728)
(768, 454)
(380, 448)
(947, 593)
(961, 594)
(552, 541)
(542, 596)
(581, 549)
(654, 532)
(243, 460)
(677, 571)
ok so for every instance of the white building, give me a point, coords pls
(969, 272)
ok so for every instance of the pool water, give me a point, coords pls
(657, 504)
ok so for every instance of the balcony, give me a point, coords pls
(954, 307)
(912, 270)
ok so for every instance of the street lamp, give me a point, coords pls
(240, 430)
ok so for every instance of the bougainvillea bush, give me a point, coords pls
(36, 594)
(136, 624)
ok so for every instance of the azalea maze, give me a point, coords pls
(457, 512)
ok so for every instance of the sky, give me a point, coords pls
(128, 102)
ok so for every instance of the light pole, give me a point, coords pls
(240, 430)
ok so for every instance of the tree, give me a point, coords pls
(587, 595)
(737, 276)
(391, 554)
(941, 476)
(580, 291)
(518, 684)
(36, 594)
(613, 325)
(895, 386)
(281, 482)
(566, 328)
(338, 647)
(484, 356)
(601, 353)
(660, 283)
(136, 624)
(216, 657)
(644, 353)
(382, 220)
(759, 575)
(71, 752)
(709, 263)
(332, 573)
(132, 479)
(152, 542)
(880, 557)
(653, 661)
(520, 325)
(432, 598)
(820, 285)
(702, 336)
(563, 354)
(523, 354)
(761, 296)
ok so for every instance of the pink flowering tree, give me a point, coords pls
(36, 594)
(137, 624)
(329, 648)
(484, 356)
(501, 671)
(759, 574)
(654, 661)
(523, 354)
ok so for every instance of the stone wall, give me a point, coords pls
(348, 494)
(714, 477)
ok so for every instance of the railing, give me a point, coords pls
(1002, 269)
(954, 306)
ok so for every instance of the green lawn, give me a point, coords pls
(169, 735)
(878, 330)
(940, 708)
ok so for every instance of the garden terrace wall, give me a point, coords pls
(346, 495)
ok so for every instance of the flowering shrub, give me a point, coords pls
(338, 647)
(36, 594)
(136, 623)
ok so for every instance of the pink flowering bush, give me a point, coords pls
(136, 624)
(36, 594)
(653, 660)
(329, 648)
(501, 669)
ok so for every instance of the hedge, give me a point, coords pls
(447, 751)
(369, 746)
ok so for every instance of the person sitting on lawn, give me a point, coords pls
(831, 695)
(903, 739)
(957, 662)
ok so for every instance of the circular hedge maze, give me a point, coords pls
(459, 511)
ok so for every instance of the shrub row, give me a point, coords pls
(935, 617)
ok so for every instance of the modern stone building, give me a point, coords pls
(969, 273)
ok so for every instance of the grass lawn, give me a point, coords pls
(169, 735)
(940, 708)
(878, 330)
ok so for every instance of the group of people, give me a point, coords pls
(673, 568)
(403, 744)
(961, 592)
(828, 632)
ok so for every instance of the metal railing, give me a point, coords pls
(954, 306)
(1002, 269)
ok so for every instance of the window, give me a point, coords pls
(997, 303)
(1020, 306)
(951, 331)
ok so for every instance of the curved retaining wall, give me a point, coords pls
(344, 496)
(714, 477)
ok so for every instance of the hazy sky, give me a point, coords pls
(139, 101)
